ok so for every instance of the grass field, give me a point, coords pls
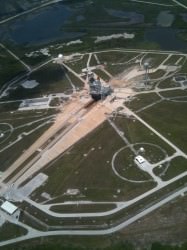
(79, 64)
(136, 132)
(154, 60)
(82, 208)
(52, 78)
(11, 147)
(141, 101)
(173, 60)
(162, 114)
(168, 83)
(176, 167)
(87, 167)
(174, 93)
(10, 67)
(9, 231)
(127, 168)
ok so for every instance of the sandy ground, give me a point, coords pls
(61, 119)
(82, 125)
(72, 124)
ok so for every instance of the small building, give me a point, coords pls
(8, 207)
(139, 159)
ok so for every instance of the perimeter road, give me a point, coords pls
(16, 57)
(35, 234)
(180, 4)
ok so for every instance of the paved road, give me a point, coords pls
(180, 4)
(16, 57)
(121, 134)
(143, 51)
(158, 134)
(153, 3)
(34, 233)
(74, 73)
(46, 208)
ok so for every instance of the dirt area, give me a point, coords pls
(74, 106)
(166, 225)
(126, 78)
(79, 127)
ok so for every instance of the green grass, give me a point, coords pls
(80, 64)
(173, 59)
(126, 167)
(116, 61)
(115, 70)
(22, 126)
(106, 221)
(168, 83)
(102, 74)
(82, 208)
(176, 167)
(141, 101)
(154, 59)
(170, 120)
(18, 118)
(8, 156)
(51, 78)
(174, 93)
(156, 75)
(7, 107)
(184, 68)
(93, 61)
(9, 67)
(9, 231)
(75, 80)
(136, 132)
(93, 174)
(115, 57)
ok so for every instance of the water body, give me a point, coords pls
(131, 17)
(80, 18)
(184, 17)
(166, 38)
(165, 19)
(40, 27)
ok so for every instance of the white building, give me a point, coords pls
(139, 159)
(9, 207)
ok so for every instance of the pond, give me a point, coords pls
(40, 27)
(166, 38)
(165, 19)
(130, 17)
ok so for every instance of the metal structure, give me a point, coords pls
(97, 90)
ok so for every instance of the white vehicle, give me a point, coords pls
(139, 159)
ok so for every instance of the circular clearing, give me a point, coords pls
(126, 169)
